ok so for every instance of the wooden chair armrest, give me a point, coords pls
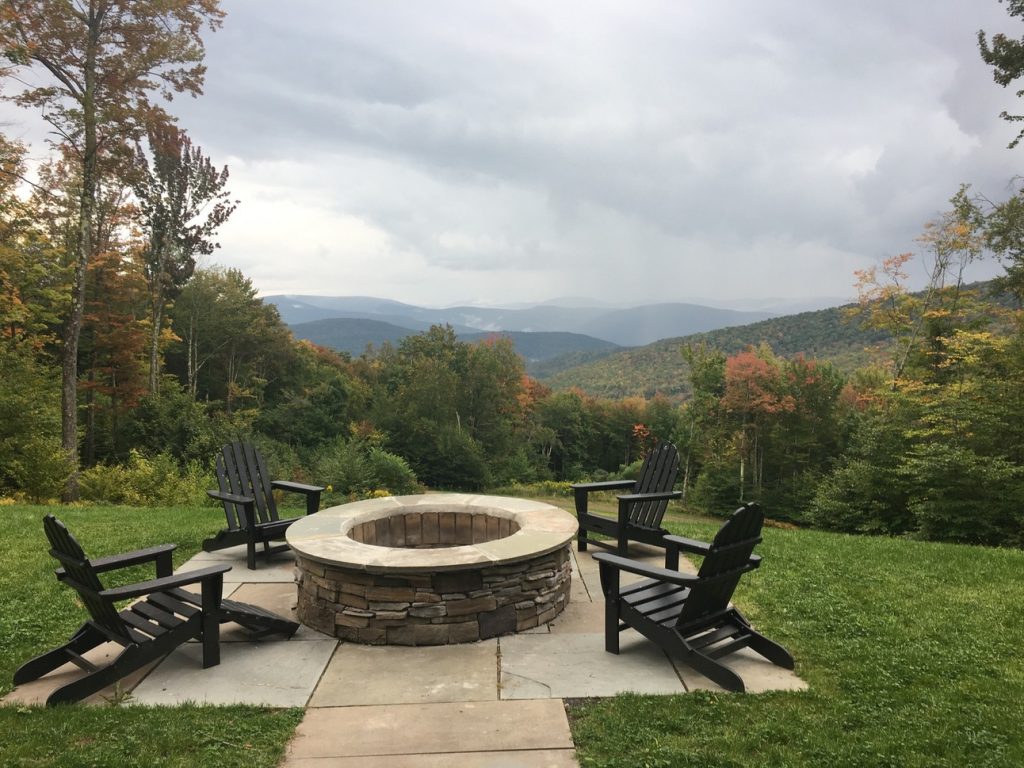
(633, 498)
(288, 485)
(167, 582)
(126, 559)
(311, 492)
(160, 553)
(689, 545)
(643, 569)
(231, 498)
(605, 485)
(700, 547)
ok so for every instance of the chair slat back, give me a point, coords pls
(242, 471)
(82, 577)
(657, 475)
(727, 560)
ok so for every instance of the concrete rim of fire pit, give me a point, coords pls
(325, 536)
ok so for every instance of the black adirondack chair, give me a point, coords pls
(246, 490)
(690, 616)
(640, 510)
(149, 628)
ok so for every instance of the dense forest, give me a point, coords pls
(123, 366)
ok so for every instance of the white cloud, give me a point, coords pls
(462, 151)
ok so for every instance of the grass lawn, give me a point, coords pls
(37, 613)
(911, 650)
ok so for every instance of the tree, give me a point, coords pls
(1006, 57)
(918, 322)
(236, 347)
(104, 61)
(183, 202)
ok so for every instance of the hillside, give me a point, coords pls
(620, 326)
(659, 368)
(352, 335)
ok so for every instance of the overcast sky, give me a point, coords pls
(452, 152)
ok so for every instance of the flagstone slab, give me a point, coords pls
(367, 675)
(464, 728)
(36, 691)
(758, 674)
(577, 666)
(281, 567)
(272, 672)
(519, 758)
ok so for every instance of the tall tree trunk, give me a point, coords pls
(87, 213)
(89, 444)
(156, 318)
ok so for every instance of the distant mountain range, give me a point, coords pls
(633, 326)
(352, 335)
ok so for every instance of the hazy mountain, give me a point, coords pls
(350, 334)
(629, 326)
(643, 325)
(545, 345)
(353, 334)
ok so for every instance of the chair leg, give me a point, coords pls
(85, 639)
(213, 589)
(771, 650)
(714, 671)
(250, 552)
(126, 663)
(611, 625)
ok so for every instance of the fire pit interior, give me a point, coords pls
(433, 529)
(432, 569)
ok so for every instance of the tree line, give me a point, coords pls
(116, 351)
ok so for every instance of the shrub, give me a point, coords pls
(356, 468)
(861, 497)
(145, 481)
(173, 422)
(40, 468)
(387, 471)
(962, 496)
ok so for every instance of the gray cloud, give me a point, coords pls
(456, 150)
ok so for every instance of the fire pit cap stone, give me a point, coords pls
(325, 537)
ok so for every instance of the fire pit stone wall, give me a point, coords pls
(432, 569)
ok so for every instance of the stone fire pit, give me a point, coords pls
(432, 569)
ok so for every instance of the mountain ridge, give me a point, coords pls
(631, 326)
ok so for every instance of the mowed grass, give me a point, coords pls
(912, 652)
(37, 613)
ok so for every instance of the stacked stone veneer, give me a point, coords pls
(450, 606)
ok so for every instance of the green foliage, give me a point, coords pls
(316, 401)
(172, 421)
(960, 496)
(356, 468)
(1006, 57)
(30, 459)
(541, 488)
(661, 367)
(40, 468)
(389, 472)
(147, 481)
(862, 497)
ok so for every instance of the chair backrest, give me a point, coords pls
(657, 475)
(726, 561)
(81, 576)
(242, 471)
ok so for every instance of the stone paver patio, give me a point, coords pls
(492, 703)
